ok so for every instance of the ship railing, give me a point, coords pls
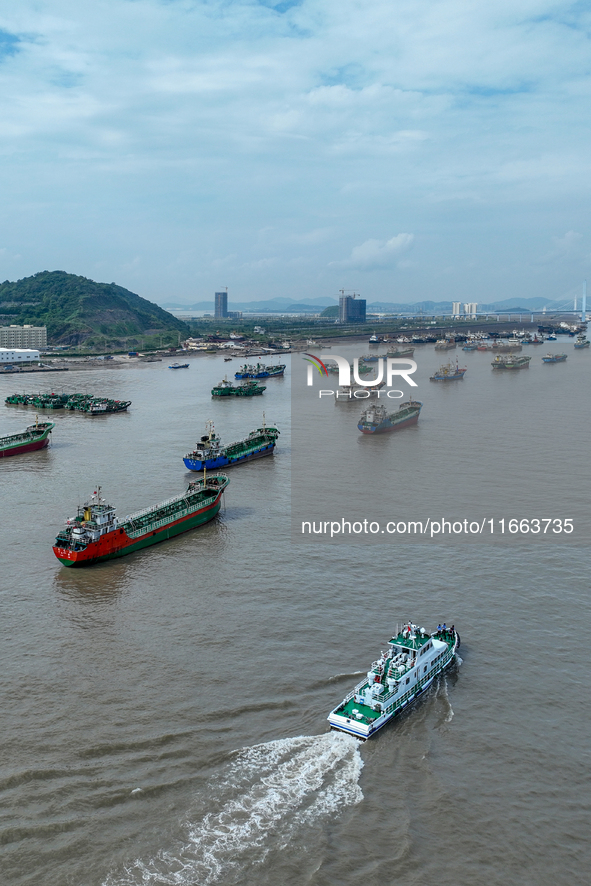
(134, 531)
(165, 504)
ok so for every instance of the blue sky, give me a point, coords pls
(409, 150)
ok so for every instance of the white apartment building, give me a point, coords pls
(23, 337)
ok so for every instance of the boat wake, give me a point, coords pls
(265, 796)
(450, 711)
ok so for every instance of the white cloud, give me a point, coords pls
(168, 129)
(376, 253)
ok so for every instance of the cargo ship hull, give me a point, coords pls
(224, 461)
(107, 547)
(30, 440)
(386, 427)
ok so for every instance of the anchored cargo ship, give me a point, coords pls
(510, 362)
(95, 533)
(376, 420)
(34, 437)
(210, 454)
(445, 344)
(400, 675)
(449, 372)
(554, 358)
(582, 342)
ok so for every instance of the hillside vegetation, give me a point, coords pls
(79, 311)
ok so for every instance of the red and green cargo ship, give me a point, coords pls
(96, 534)
(32, 438)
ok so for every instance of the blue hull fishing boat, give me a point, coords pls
(210, 454)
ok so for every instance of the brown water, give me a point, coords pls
(164, 716)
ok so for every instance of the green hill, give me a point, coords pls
(79, 311)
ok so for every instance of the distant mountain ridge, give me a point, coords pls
(317, 305)
(77, 310)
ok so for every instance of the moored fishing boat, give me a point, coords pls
(76, 402)
(31, 439)
(225, 388)
(445, 344)
(95, 534)
(510, 362)
(400, 352)
(554, 358)
(260, 371)
(246, 389)
(377, 420)
(400, 675)
(249, 389)
(449, 372)
(210, 454)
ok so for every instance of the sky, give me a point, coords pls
(409, 150)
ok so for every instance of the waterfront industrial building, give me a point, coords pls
(18, 356)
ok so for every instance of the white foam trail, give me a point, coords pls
(276, 787)
(459, 659)
(444, 692)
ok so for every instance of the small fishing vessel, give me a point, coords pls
(552, 337)
(554, 358)
(374, 340)
(225, 388)
(369, 358)
(260, 371)
(247, 389)
(510, 362)
(582, 342)
(95, 533)
(377, 420)
(400, 675)
(227, 359)
(211, 455)
(179, 366)
(449, 372)
(470, 346)
(32, 438)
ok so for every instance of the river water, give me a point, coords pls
(163, 717)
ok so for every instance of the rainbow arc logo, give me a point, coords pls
(316, 363)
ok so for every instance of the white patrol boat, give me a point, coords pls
(402, 673)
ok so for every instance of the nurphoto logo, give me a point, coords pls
(387, 368)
